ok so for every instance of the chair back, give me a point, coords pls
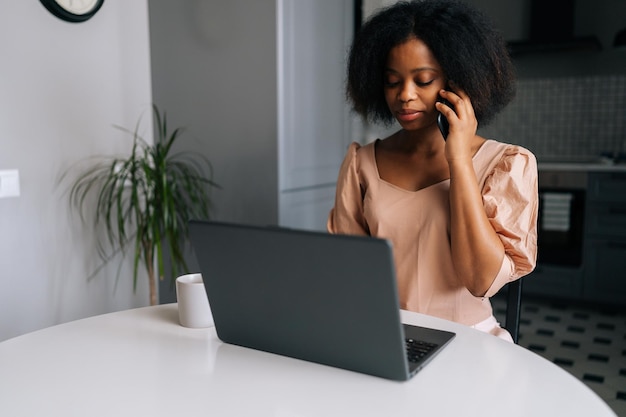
(513, 308)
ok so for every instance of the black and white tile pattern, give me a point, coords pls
(588, 342)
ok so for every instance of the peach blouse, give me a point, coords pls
(417, 223)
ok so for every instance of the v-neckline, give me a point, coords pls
(397, 187)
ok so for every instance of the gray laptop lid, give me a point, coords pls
(324, 298)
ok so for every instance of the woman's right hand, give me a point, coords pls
(463, 124)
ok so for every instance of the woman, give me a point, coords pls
(460, 213)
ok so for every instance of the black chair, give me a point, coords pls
(513, 308)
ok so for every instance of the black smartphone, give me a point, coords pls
(442, 122)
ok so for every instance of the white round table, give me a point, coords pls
(141, 362)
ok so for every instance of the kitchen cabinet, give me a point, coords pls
(315, 125)
(260, 84)
(602, 276)
(554, 281)
(605, 244)
(589, 26)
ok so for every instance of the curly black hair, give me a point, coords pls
(471, 52)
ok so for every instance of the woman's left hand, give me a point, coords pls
(463, 124)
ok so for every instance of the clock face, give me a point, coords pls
(73, 10)
(78, 6)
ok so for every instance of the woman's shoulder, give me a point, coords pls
(492, 152)
(359, 159)
(366, 148)
(503, 157)
(492, 148)
(361, 154)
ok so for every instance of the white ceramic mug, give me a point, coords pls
(193, 305)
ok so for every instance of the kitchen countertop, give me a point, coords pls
(580, 163)
(581, 166)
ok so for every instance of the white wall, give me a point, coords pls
(62, 87)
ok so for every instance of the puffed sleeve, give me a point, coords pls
(346, 217)
(511, 201)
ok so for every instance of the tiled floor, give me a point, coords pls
(588, 342)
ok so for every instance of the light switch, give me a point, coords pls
(9, 183)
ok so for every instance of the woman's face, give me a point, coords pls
(413, 79)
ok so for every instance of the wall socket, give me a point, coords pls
(9, 183)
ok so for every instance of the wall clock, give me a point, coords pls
(74, 11)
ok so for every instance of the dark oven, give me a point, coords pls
(561, 217)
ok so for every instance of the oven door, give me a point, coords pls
(560, 226)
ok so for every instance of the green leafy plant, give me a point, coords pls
(145, 200)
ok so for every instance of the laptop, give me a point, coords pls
(315, 296)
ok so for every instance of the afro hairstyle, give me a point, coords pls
(471, 52)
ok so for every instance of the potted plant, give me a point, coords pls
(145, 200)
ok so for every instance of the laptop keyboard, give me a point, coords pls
(417, 350)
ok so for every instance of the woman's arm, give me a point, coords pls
(477, 251)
